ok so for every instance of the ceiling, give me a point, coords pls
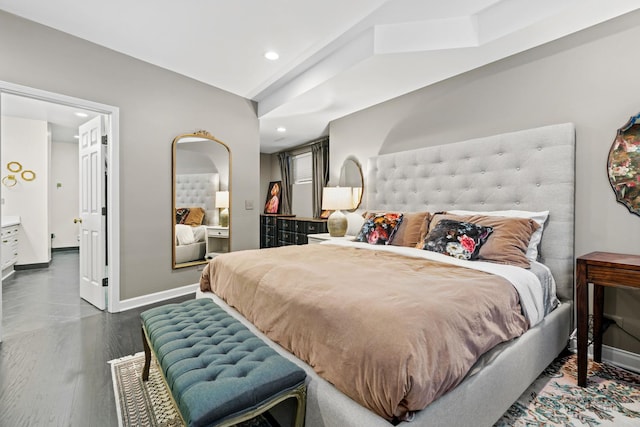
(336, 57)
(64, 120)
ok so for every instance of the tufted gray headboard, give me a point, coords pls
(530, 170)
(198, 190)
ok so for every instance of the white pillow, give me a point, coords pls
(199, 233)
(354, 223)
(184, 234)
(539, 217)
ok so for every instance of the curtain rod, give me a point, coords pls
(303, 145)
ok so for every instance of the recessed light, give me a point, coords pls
(76, 136)
(81, 114)
(271, 55)
(281, 129)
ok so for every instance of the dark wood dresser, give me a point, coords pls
(283, 230)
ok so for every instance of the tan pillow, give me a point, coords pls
(507, 244)
(195, 217)
(411, 230)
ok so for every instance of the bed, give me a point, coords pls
(530, 171)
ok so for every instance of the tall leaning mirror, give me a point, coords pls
(201, 194)
(351, 176)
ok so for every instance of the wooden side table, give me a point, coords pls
(602, 269)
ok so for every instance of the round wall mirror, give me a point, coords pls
(201, 199)
(351, 176)
(623, 165)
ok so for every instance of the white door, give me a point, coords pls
(92, 220)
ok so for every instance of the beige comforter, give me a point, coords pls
(392, 332)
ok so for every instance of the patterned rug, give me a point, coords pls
(140, 403)
(611, 398)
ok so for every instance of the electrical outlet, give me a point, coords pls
(618, 319)
(248, 204)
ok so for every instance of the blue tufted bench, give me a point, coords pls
(218, 371)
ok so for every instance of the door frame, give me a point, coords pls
(113, 180)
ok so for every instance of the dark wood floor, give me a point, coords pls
(55, 349)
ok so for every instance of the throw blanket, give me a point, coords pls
(392, 332)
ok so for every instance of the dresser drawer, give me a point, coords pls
(316, 227)
(269, 220)
(285, 224)
(9, 246)
(300, 238)
(8, 232)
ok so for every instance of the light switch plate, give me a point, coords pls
(248, 205)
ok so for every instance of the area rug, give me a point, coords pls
(140, 403)
(611, 398)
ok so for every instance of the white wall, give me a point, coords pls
(27, 142)
(64, 194)
(589, 78)
(155, 105)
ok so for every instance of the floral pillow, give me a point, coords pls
(379, 228)
(458, 239)
(181, 215)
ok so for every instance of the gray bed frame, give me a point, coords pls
(530, 170)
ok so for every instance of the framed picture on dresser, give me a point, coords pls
(272, 204)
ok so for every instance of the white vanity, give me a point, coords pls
(9, 249)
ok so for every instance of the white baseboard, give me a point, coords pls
(136, 302)
(615, 356)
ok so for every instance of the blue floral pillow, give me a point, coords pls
(458, 239)
(379, 228)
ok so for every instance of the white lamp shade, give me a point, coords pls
(222, 199)
(336, 198)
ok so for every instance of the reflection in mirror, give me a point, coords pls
(201, 196)
(351, 176)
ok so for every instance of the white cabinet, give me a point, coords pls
(217, 241)
(9, 249)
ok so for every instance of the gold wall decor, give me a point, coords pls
(14, 166)
(28, 175)
(11, 180)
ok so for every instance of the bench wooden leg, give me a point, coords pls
(147, 357)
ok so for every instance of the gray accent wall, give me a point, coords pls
(589, 78)
(155, 106)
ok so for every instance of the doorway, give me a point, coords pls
(47, 103)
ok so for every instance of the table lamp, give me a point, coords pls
(334, 199)
(222, 201)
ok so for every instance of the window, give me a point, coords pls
(302, 168)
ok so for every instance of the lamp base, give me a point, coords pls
(224, 217)
(337, 224)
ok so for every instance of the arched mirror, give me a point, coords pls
(351, 176)
(201, 199)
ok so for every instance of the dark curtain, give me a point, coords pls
(285, 193)
(320, 173)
